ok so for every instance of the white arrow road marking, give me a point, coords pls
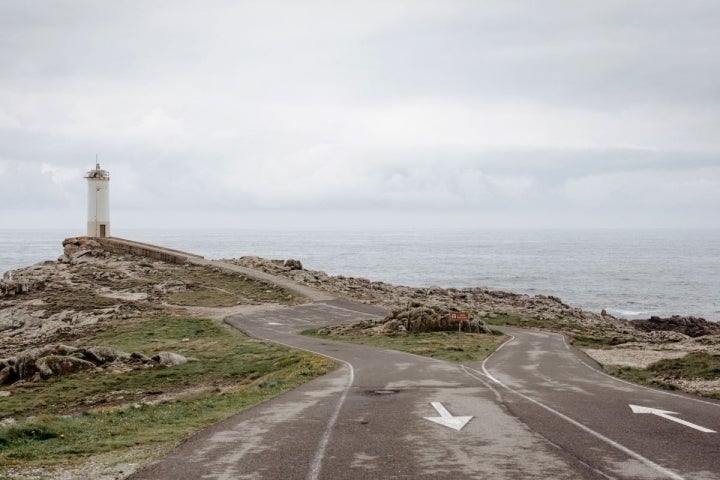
(667, 415)
(447, 420)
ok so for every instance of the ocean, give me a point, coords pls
(629, 273)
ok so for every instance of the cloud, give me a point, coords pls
(59, 174)
(700, 188)
(508, 110)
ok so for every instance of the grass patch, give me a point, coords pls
(693, 366)
(202, 296)
(94, 412)
(502, 319)
(207, 287)
(464, 347)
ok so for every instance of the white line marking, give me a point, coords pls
(586, 429)
(447, 420)
(316, 464)
(644, 387)
(498, 396)
(668, 416)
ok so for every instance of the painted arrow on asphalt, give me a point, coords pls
(667, 415)
(447, 420)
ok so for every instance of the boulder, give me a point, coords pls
(61, 365)
(169, 358)
(425, 319)
(292, 264)
(76, 247)
(140, 357)
(690, 326)
(50, 360)
(102, 355)
(25, 363)
(8, 374)
(7, 422)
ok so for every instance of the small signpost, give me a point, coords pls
(460, 317)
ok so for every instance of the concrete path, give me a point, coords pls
(311, 293)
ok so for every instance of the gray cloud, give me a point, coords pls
(504, 113)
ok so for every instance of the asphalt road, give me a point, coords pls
(540, 410)
(562, 394)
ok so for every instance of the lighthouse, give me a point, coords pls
(98, 219)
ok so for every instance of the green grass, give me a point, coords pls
(94, 412)
(698, 365)
(464, 347)
(502, 319)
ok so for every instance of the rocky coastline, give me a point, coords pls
(51, 311)
(610, 341)
(489, 304)
(86, 287)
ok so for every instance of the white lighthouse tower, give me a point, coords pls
(98, 223)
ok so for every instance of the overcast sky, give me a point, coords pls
(369, 114)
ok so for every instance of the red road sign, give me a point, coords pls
(459, 316)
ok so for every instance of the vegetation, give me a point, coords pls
(203, 286)
(453, 346)
(70, 417)
(207, 287)
(581, 337)
(662, 374)
(502, 319)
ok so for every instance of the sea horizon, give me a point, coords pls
(631, 273)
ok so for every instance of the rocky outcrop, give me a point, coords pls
(36, 278)
(102, 355)
(414, 318)
(420, 318)
(293, 264)
(51, 360)
(61, 365)
(75, 248)
(690, 326)
(481, 300)
(29, 280)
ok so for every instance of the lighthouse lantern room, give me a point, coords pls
(98, 223)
